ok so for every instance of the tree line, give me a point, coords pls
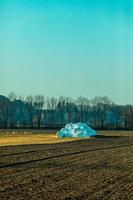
(36, 111)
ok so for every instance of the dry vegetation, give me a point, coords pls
(29, 138)
(101, 168)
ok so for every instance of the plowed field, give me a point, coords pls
(100, 168)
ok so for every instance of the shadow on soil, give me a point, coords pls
(107, 136)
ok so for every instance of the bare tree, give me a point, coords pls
(117, 114)
(100, 111)
(81, 106)
(128, 116)
(21, 109)
(30, 109)
(4, 111)
(51, 106)
(94, 106)
(12, 97)
(39, 104)
(68, 108)
(75, 111)
(87, 107)
(101, 106)
(103, 109)
(61, 109)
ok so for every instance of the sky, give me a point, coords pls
(67, 47)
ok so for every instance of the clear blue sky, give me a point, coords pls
(68, 47)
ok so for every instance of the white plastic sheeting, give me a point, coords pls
(78, 130)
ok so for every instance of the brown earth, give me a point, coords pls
(100, 168)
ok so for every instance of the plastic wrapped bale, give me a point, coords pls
(87, 134)
(74, 126)
(64, 131)
(81, 126)
(69, 126)
(78, 130)
(60, 134)
(84, 125)
(93, 133)
(80, 135)
(89, 129)
(71, 131)
(68, 135)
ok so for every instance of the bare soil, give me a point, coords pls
(100, 168)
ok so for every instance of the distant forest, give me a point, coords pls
(40, 112)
